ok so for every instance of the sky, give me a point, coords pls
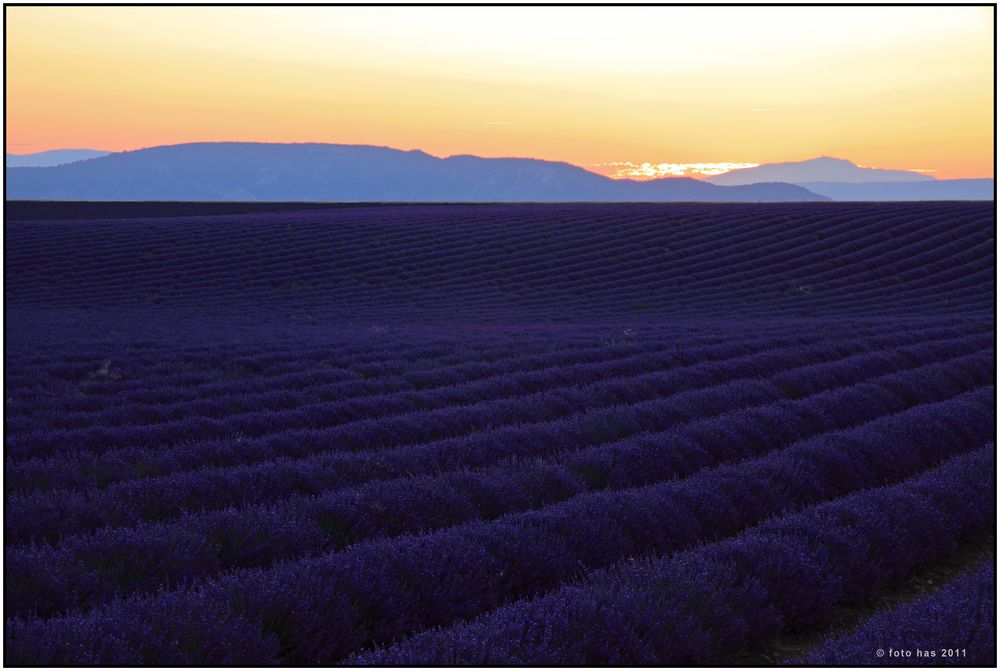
(624, 91)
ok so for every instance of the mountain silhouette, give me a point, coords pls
(234, 171)
(939, 189)
(46, 159)
(823, 169)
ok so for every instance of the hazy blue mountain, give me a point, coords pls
(232, 171)
(940, 189)
(824, 169)
(46, 159)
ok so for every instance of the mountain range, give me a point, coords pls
(822, 169)
(939, 189)
(242, 171)
(47, 159)
(840, 179)
(350, 173)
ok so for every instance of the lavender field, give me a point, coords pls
(499, 434)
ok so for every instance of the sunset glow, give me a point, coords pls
(691, 87)
(639, 171)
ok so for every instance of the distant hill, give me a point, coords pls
(823, 169)
(941, 189)
(232, 171)
(47, 159)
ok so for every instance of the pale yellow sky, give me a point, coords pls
(894, 87)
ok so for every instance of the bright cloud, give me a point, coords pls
(640, 171)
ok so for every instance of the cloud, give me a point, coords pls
(629, 170)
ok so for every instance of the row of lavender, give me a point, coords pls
(206, 542)
(541, 424)
(960, 618)
(569, 394)
(729, 593)
(699, 606)
(630, 464)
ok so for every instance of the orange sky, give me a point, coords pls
(893, 87)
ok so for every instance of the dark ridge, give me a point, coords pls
(69, 210)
